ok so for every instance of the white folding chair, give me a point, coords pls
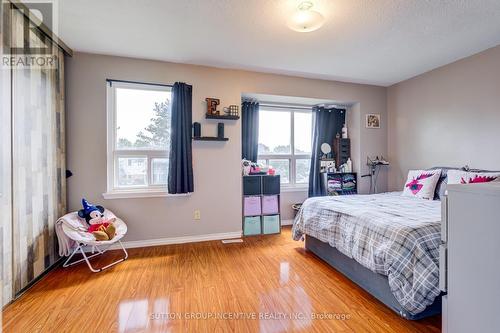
(84, 243)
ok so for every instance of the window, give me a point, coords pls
(285, 141)
(138, 138)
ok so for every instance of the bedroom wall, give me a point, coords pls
(216, 165)
(447, 117)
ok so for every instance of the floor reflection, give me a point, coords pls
(138, 316)
(133, 315)
(284, 272)
(286, 309)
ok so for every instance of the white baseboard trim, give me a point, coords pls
(178, 240)
(286, 222)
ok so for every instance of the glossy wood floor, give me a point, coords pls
(266, 284)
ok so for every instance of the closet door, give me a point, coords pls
(38, 180)
(5, 176)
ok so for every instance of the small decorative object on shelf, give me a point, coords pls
(196, 130)
(326, 149)
(246, 165)
(220, 130)
(349, 165)
(327, 165)
(256, 169)
(212, 104)
(344, 132)
(232, 110)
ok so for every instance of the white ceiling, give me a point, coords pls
(379, 42)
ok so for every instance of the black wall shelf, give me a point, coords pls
(209, 138)
(212, 116)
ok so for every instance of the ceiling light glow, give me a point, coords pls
(305, 19)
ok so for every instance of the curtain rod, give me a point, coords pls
(300, 106)
(286, 106)
(138, 82)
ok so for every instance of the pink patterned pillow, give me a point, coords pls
(471, 177)
(421, 183)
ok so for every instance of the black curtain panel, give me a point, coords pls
(250, 130)
(180, 171)
(328, 122)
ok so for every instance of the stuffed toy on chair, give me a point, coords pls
(101, 228)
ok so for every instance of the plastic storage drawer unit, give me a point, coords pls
(252, 226)
(271, 224)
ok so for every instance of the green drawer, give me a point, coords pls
(271, 224)
(251, 226)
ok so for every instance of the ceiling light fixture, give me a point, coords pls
(305, 19)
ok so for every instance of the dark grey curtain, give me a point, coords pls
(328, 122)
(250, 130)
(180, 171)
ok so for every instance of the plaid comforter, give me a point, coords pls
(388, 233)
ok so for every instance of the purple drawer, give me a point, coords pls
(270, 205)
(251, 206)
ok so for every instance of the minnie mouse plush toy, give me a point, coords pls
(102, 229)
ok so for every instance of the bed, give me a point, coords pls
(386, 243)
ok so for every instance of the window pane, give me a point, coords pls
(303, 132)
(142, 119)
(282, 168)
(132, 171)
(262, 162)
(302, 167)
(274, 132)
(160, 170)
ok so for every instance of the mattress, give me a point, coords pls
(387, 233)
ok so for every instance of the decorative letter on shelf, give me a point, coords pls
(212, 104)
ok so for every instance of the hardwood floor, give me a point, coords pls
(266, 284)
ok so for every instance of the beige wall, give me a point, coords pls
(447, 117)
(216, 165)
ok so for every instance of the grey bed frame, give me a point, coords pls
(375, 284)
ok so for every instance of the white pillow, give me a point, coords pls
(470, 177)
(421, 183)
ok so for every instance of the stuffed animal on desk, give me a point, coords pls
(101, 228)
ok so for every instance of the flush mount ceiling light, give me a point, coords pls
(305, 19)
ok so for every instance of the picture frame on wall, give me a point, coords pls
(373, 120)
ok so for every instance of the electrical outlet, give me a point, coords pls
(197, 214)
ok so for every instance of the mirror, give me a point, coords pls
(326, 148)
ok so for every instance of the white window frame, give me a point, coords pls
(292, 157)
(141, 191)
